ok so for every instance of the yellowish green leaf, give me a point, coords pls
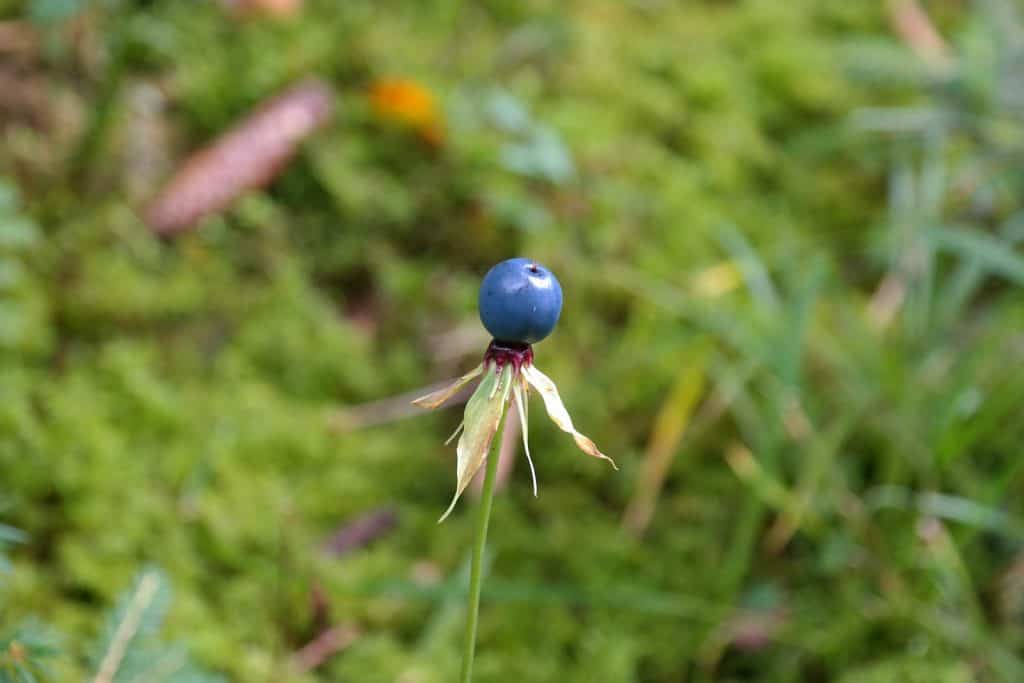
(764, 486)
(669, 426)
(480, 423)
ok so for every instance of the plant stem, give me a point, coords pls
(476, 569)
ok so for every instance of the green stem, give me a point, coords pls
(476, 569)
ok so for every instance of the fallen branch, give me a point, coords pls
(361, 531)
(912, 24)
(324, 646)
(248, 156)
(389, 409)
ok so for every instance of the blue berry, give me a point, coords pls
(520, 301)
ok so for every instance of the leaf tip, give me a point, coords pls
(449, 510)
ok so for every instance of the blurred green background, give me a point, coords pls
(787, 235)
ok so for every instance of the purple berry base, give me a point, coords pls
(501, 353)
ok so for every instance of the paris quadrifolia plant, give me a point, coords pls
(520, 302)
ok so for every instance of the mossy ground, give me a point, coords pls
(842, 505)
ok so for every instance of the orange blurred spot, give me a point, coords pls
(17, 652)
(408, 103)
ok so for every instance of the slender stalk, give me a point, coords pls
(476, 569)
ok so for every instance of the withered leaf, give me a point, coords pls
(480, 423)
(436, 398)
(557, 412)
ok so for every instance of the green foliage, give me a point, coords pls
(23, 305)
(9, 536)
(53, 11)
(24, 651)
(777, 190)
(129, 648)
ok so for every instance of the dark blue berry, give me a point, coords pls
(520, 301)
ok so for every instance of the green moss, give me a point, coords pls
(172, 402)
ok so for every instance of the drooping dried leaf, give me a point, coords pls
(480, 424)
(436, 398)
(246, 157)
(518, 392)
(557, 412)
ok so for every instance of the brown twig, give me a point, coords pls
(271, 8)
(17, 37)
(389, 409)
(361, 531)
(248, 156)
(324, 646)
(912, 24)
